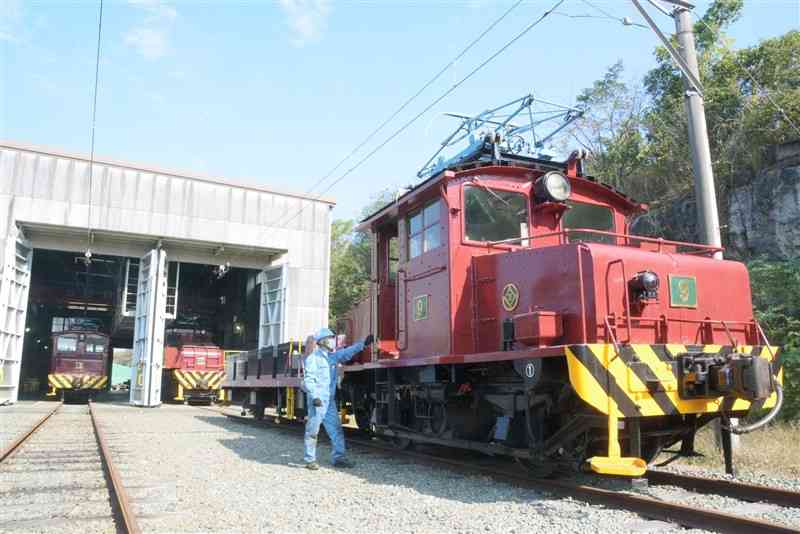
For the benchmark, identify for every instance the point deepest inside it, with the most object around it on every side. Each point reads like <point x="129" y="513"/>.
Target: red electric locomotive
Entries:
<point x="79" y="362"/>
<point x="517" y="315"/>
<point x="193" y="364"/>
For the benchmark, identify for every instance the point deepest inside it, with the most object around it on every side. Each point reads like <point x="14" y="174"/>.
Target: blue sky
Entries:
<point x="278" y="92"/>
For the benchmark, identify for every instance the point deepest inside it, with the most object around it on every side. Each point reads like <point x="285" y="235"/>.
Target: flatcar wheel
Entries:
<point x="538" y="468"/>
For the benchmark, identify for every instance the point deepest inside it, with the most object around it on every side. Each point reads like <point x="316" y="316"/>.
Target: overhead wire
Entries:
<point x="94" y="121"/>
<point x="624" y="20"/>
<point x="436" y="101"/>
<point x="422" y="89"/>
<point x="759" y="87"/>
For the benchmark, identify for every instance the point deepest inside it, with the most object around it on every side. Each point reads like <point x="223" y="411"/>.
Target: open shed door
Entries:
<point x="272" y="328"/>
<point x="148" y="330"/>
<point x="15" y="280"/>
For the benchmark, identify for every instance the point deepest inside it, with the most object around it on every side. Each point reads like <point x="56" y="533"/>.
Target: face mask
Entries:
<point x="327" y="343"/>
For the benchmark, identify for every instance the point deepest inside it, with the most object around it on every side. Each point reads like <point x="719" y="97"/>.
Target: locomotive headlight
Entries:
<point x="552" y="187"/>
<point x="644" y="285"/>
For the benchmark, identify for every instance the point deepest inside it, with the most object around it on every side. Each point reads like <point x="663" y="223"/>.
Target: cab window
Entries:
<point x="592" y="217"/>
<point x="424" y="230"/>
<point x="96" y="345"/>
<point x="67" y="344"/>
<point x="494" y="215"/>
<point x="393" y="259"/>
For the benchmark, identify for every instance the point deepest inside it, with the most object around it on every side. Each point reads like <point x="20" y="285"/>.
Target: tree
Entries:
<point x="350" y="260"/>
<point x="638" y="135"/>
<point x="611" y="128"/>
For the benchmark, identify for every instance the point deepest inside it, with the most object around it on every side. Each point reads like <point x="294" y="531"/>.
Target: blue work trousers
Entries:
<point x="328" y="416"/>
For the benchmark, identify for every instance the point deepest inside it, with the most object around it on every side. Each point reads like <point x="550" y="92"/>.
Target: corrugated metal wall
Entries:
<point x="39" y="187"/>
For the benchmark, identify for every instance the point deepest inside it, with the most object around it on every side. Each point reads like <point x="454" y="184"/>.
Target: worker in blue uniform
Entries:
<point x="319" y="383"/>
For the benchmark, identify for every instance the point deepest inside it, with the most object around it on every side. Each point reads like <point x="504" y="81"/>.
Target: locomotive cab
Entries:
<point x="511" y="301"/>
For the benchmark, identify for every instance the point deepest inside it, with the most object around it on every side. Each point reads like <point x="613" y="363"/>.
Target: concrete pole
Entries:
<point x="705" y="193"/>
<point x="706" y="196"/>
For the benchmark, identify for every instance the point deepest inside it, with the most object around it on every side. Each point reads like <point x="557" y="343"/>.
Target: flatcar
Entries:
<point x="79" y="362"/>
<point x="193" y="365"/>
<point x="517" y="314"/>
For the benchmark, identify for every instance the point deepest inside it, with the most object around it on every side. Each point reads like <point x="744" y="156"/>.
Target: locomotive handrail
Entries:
<point x="701" y="249"/>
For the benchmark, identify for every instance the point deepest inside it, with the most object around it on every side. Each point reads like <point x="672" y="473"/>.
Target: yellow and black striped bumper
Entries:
<point x="642" y="380"/>
<point x="66" y="381"/>
<point x="199" y="380"/>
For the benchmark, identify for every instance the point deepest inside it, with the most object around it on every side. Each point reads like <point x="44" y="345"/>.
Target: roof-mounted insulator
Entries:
<point x="575" y="162"/>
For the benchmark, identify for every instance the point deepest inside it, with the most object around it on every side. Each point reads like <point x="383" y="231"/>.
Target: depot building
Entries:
<point x="247" y="264"/>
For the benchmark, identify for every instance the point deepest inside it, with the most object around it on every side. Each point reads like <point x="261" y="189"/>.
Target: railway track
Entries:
<point x="688" y="516"/>
<point x="64" y="453"/>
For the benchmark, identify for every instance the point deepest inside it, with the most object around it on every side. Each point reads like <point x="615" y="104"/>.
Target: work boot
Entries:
<point x="313" y="466"/>
<point x="344" y="463"/>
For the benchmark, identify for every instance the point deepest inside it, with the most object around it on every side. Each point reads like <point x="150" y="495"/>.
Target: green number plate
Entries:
<point x="682" y="291"/>
<point x="421" y="308"/>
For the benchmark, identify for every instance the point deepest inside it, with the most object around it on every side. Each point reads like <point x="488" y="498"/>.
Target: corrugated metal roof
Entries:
<point x="160" y="170"/>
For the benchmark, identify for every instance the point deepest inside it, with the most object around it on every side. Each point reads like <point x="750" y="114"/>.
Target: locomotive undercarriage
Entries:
<point x="504" y="408"/>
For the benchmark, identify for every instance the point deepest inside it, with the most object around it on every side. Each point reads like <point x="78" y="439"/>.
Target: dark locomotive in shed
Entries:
<point x="79" y="365"/>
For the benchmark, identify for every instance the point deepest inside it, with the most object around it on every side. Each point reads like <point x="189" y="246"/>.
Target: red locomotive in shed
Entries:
<point x="194" y="366"/>
<point x="516" y="314"/>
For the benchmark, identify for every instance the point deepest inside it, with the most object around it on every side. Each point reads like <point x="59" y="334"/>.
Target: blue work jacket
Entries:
<point x="319" y="379"/>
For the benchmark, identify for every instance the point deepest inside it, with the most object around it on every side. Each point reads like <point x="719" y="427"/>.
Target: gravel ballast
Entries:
<point x="20" y="417"/>
<point x="190" y="469"/>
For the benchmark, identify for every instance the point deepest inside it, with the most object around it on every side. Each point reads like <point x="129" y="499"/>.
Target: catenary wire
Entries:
<point x="608" y="15"/>
<point x="94" y="120"/>
<point x="413" y="97"/>
<point x="427" y="108"/>
<point x="759" y="87"/>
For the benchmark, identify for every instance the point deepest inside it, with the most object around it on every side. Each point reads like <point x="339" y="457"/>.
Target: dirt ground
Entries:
<point x="774" y="450"/>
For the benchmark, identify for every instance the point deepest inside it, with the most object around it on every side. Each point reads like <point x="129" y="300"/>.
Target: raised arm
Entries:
<point x="346" y="354"/>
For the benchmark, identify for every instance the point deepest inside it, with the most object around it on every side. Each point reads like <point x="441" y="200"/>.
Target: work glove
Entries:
<point x="317" y="403"/>
<point x="369" y="340"/>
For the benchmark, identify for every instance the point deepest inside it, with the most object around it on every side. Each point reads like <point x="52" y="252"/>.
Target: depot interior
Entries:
<point x="67" y="290"/>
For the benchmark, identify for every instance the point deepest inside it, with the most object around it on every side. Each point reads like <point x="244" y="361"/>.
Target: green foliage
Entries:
<point x="776" y="298"/>
<point x="638" y="134"/>
<point x="350" y="262"/>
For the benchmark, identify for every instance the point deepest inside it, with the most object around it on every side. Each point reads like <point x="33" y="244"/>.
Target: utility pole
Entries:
<point x="686" y="59"/>
<point x="705" y="193"/>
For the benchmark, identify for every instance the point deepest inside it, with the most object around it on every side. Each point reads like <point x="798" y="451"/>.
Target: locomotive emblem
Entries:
<point x="510" y="298"/>
<point x="682" y="291"/>
<point x="421" y="308"/>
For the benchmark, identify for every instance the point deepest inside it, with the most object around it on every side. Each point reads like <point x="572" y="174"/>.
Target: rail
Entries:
<point x="119" y="494"/>
<point x="628" y="238"/>
<point x="17" y="443"/>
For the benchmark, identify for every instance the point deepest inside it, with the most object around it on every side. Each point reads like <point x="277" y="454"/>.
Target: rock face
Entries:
<point x="764" y="217"/>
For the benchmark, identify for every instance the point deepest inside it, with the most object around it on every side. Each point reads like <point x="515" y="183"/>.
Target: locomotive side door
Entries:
<point x="15" y="279"/>
<point x="272" y="328"/>
<point x="148" y="330"/>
